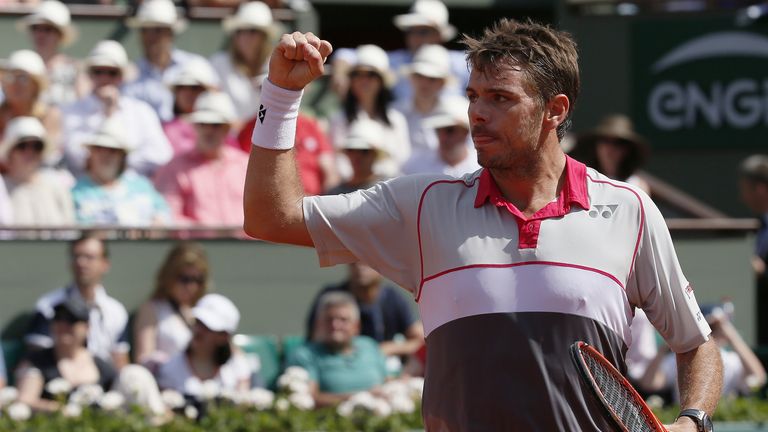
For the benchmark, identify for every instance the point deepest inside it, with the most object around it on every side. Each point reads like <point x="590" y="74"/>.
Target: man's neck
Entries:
<point x="161" y="60"/>
<point x="88" y="291"/>
<point x="425" y="104"/>
<point x="365" y="294"/>
<point x="454" y="155"/>
<point x="532" y="189"/>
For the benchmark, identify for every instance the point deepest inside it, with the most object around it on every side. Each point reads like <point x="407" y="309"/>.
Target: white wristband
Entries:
<point x="275" y="126"/>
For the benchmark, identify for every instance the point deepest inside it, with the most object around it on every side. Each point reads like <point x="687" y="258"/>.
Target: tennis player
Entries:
<point x="510" y="264"/>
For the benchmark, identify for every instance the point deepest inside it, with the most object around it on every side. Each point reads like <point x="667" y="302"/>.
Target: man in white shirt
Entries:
<point x="106" y="65"/>
<point x="107" y="337"/>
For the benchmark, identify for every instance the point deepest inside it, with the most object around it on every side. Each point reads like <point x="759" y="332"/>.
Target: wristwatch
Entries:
<point x="702" y="420"/>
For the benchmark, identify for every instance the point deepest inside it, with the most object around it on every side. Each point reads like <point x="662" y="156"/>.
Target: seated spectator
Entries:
<point x="24" y="78"/>
<point x="429" y="73"/>
<point x="109" y="193"/>
<point x="209" y="356"/>
<point x="362" y="147"/>
<point x="50" y="29"/>
<point x="194" y="79"/>
<point x="106" y="64"/>
<point x="315" y="157"/>
<point x="455" y="154"/>
<point x="38" y="195"/>
<point x="107" y="338"/>
<point x="205" y="185"/>
<point x="158" y="23"/>
<point x="68" y="358"/>
<point x="243" y="66"/>
<point x="163" y="324"/>
<point x="384" y="312"/>
<point x="340" y="362"/>
<point x="370" y="98"/>
<point x="743" y="373"/>
<point x="614" y="149"/>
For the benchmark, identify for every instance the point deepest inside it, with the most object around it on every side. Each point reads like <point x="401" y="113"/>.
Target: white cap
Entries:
<point x="374" y="58"/>
<point x="111" y="134"/>
<point x="52" y="12"/>
<point x="108" y="53"/>
<point x="27" y="61"/>
<point x="196" y="72"/>
<point x="250" y="15"/>
<point x="450" y="111"/>
<point x="217" y="312"/>
<point x="431" y="61"/>
<point x="430" y="13"/>
<point x="158" y="13"/>
<point x="365" y="134"/>
<point x="213" y="107"/>
<point x="20" y="128"/>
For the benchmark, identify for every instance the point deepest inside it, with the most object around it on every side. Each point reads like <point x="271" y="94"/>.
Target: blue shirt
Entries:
<point x="152" y="87"/>
<point x="359" y="370"/>
<point x="132" y="201"/>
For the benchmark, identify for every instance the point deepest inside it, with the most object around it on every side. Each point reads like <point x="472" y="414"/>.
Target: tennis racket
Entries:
<point x="624" y="405"/>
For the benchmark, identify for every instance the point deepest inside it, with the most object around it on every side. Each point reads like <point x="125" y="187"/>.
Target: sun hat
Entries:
<point x="29" y="62"/>
<point x="111" y="134"/>
<point x="19" y="128"/>
<point x="616" y="127"/>
<point x="373" y="58"/>
<point x="217" y="312"/>
<point x="158" y="13"/>
<point x="108" y="53"/>
<point x="365" y="134"/>
<point x="213" y="107"/>
<point x="450" y="111"/>
<point x="431" y="61"/>
<point x="196" y="72"/>
<point x="51" y="12"/>
<point x="250" y="15"/>
<point x="429" y="13"/>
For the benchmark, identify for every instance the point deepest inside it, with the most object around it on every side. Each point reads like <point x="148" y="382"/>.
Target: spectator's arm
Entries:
<point x="144" y="333"/>
<point x="120" y="359"/>
<point x="654" y="379"/>
<point x="323" y="399"/>
<point x="30" y="386"/>
<point x="754" y="371"/>
<point x="414" y="339"/>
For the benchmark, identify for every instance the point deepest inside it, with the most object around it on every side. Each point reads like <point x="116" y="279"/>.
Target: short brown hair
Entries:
<point x="547" y="57"/>
<point x="182" y="255"/>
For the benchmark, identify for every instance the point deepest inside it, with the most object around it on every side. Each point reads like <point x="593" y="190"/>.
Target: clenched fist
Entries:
<point x="297" y="60"/>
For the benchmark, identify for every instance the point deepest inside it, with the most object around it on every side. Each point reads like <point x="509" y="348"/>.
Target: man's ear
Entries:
<point x="556" y="111"/>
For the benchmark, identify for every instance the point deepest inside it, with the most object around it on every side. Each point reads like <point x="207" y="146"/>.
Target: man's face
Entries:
<point x="425" y="87"/>
<point x="450" y="137"/>
<point x="156" y="41"/>
<point x="338" y="325"/>
<point x="506" y="117"/>
<point x="102" y="76"/>
<point x="89" y="265"/>
<point x="418" y="36"/>
<point x="754" y="195"/>
<point x="210" y="137"/>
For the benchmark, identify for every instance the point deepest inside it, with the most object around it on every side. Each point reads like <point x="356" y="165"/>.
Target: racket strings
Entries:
<point x="621" y="401"/>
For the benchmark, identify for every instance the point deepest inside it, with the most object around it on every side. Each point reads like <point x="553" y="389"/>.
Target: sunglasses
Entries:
<point x="186" y="279"/>
<point x="363" y="73"/>
<point x="109" y="72"/>
<point x="41" y="28"/>
<point x="35" y="145"/>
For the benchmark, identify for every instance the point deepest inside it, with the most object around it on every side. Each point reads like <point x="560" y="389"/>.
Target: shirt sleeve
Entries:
<point x="657" y="285"/>
<point x="377" y="226"/>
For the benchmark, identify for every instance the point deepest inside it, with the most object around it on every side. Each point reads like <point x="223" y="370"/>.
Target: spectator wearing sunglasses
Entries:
<point x="50" y="29"/>
<point x="455" y="155"/>
<point x="110" y="193"/>
<point x="24" y="79"/>
<point x="163" y="324"/>
<point x="38" y="195"/>
<point x="68" y="358"/>
<point x="370" y="97"/>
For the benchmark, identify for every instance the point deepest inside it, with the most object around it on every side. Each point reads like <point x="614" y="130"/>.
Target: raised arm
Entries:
<point x="273" y="192"/>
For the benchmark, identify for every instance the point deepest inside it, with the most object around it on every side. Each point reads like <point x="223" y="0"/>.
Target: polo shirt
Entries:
<point x="503" y="296"/>
<point x="361" y="369"/>
<point x="107" y="322"/>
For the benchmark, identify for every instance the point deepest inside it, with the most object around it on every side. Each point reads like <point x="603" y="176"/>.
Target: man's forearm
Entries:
<point x="700" y="377"/>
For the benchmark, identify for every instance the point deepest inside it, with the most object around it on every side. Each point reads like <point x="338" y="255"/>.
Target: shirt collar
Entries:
<point x="574" y="190"/>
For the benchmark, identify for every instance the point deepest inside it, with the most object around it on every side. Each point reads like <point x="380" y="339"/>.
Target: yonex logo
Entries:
<point x="604" y="211"/>
<point x="262" y="113"/>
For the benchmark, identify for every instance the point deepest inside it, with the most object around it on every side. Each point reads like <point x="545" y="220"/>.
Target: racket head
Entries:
<point x="624" y="406"/>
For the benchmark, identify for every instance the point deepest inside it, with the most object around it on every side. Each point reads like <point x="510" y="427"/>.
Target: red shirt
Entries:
<point x="311" y="143"/>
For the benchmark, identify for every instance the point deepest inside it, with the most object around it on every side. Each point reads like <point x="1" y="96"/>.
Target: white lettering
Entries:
<point x="742" y="104"/>
<point x="666" y="100"/>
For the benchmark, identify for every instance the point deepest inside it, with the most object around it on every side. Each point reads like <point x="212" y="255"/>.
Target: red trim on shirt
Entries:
<point x="642" y="218"/>
<point x="548" y="263"/>
<point x="574" y="191"/>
